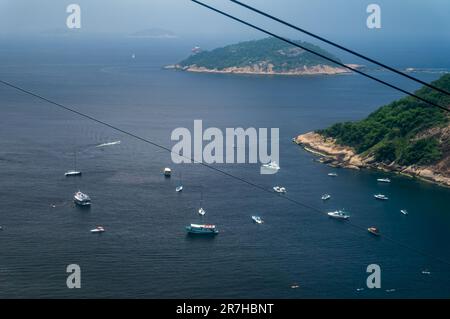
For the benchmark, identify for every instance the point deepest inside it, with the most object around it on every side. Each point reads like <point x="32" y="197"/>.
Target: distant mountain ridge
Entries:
<point x="265" y="56"/>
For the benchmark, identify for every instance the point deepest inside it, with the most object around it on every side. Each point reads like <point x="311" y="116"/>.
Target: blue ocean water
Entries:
<point x="145" y="251"/>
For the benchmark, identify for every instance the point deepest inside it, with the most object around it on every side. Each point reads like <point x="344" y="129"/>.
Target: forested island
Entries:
<point x="406" y="136"/>
<point x="269" y="56"/>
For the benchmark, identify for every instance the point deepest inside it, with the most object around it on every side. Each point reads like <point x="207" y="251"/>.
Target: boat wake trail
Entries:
<point x="108" y="144"/>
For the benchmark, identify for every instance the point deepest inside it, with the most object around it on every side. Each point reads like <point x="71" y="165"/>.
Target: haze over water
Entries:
<point x="145" y="251"/>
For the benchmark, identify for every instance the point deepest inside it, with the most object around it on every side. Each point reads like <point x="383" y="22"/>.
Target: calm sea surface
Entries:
<point x="145" y="251"/>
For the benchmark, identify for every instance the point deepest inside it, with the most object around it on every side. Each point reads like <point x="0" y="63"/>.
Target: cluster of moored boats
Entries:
<point x="84" y="200"/>
<point x="341" y="214"/>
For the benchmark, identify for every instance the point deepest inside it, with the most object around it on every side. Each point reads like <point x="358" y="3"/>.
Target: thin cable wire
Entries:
<point x="340" y="46"/>
<point x="321" y="55"/>
<point x="254" y="185"/>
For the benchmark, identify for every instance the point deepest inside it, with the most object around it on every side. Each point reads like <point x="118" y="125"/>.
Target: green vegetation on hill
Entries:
<point x="283" y="56"/>
<point x="392" y="133"/>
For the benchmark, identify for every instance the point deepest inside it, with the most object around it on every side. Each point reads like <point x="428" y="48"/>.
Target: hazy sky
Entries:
<point x="340" y="18"/>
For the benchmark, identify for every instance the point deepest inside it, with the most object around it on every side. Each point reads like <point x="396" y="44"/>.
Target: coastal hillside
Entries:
<point x="266" y="56"/>
<point x="406" y="136"/>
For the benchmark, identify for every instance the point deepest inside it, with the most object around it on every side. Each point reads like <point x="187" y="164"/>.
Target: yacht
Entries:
<point x="404" y="211"/>
<point x="73" y="172"/>
<point x="332" y="174"/>
<point x="374" y="231"/>
<point x="81" y="199"/>
<point x="257" y="219"/>
<point x="381" y="197"/>
<point x="326" y="196"/>
<point x="339" y="214"/>
<point x="272" y="166"/>
<point x="196" y="229"/>
<point x="167" y="172"/>
<point x="279" y="189"/>
<point x="383" y="180"/>
<point x="98" y="229"/>
<point x="201" y="211"/>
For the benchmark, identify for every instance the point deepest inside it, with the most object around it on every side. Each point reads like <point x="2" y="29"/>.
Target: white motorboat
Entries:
<point x="72" y="173"/>
<point x="98" y="229"/>
<point x="167" y="172"/>
<point x="257" y="219"/>
<point x="179" y="188"/>
<point x="383" y="180"/>
<point x="81" y="199"/>
<point x="272" y="165"/>
<point x="279" y="189"/>
<point x="201" y="211"/>
<point x="339" y="214"/>
<point x="404" y="211"/>
<point x="332" y="174"/>
<point x="381" y="197"/>
<point x="374" y="231"/>
<point x="326" y="196"/>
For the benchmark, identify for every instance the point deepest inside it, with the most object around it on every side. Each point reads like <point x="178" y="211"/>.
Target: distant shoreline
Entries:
<point x="256" y="70"/>
<point x="337" y="155"/>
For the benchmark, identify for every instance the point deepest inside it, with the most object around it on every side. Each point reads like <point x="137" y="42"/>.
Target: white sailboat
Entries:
<point x="73" y="172"/>
<point x="201" y="211"/>
<point x="179" y="188"/>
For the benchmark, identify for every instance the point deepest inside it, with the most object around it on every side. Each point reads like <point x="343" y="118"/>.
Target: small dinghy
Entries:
<point x="332" y="174"/>
<point x="98" y="229"/>
<point x="257" y="219"/>
<point x="279" y="189"/>
<point x="381" y="197"/>
<point x="374" y="231"/>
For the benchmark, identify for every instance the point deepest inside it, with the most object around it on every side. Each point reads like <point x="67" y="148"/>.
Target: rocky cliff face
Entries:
<point x="337" y="155"/>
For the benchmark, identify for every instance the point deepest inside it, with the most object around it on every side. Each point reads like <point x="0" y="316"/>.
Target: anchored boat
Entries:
<point x="339" y="214"/>
<point x="81" y="199"/>
<point x="374" y="231"/>
<point x="197" y="229"/>
<point x="381" y="197"/>
<point x="257" y="219"/>
<point x="279" y="189"/>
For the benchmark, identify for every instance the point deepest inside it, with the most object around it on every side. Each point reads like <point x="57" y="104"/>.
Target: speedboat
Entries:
<point x="196" y="229"/>
<point x="81" y="199"/>
<point x="339" y="214"/>
<point x="201" y="211"/>
<point x="167" y="172"/>
<point x="98" y="229"/>
<point x="404" y="212"/>
<point x="279" y="189"/>
<point x="272" y="166"/>
<point x="383" y="180"/>
<point x="374" y="231"/>
<point x="179" y="188"/>
<point x="72" y="173"/>
<point x="381" y="197"/>
<point x="257" y="219"/>
<point x="332" y="174"/>
<point x="326" y="196"/>
<point x="426" y="272"/>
